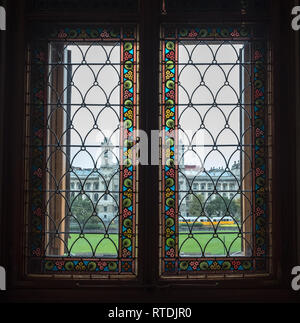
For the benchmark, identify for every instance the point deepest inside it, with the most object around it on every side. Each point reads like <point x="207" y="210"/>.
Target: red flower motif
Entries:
<point x="170" y="212"/>
<point x="258" y="94"/>
<point x="259" y="212"/>
<point x="192" y="34"/>
<point x="59" y="264"/>
<point x="38" y="173"/>
<point x="258" y="172"/>
<point x="102" y="265"/>
<point x="257" y="55"/>
<point x="170" y="172"/>
<point x="104" y="34"/>
<point x="125" y="253"/>
<point x="235" y="33"/>
<point x="259" y="132"/>
<point x="236" y="264"/>
<point x="194" y="264"/>
<point x="127" y="56"/>
<point x="127" y="173"/>
<point x="171" y="94"/>
<point x="62" y="34"/>
<point x="126" y="213"/>
<point x="38" y="212"/>
<point x="171" y="253"/>
<point x="171" y="55"/>
<point x="127" y="94"/>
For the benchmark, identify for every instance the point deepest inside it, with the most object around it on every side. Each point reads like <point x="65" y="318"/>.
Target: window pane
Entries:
<point x="210" y="120"/>
<point x="210" y="168"/>
<point x="83" y="151"/>
<point x="85" y="192"/>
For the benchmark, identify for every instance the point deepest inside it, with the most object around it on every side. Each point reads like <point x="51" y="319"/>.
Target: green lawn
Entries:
<point x="212" y="245"/>
<point x="106" y="246"/>
<point x="187" y="245"/>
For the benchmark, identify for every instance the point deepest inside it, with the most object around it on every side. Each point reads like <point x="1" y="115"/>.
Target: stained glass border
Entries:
<point x="37" y="261"/>
<point x="170" y="262"/>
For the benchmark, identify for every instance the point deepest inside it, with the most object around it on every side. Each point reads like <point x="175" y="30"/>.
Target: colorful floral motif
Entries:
<point x="80" y="265"/>
<point x="220" y="265"/>
<point x="36" y="178"/>
<point x="261" y="143"/>
<point x="199" y="32"/>
<point x="104" y="33"/>
<point x="169" y="198"/>
<point x="128" y="88"/>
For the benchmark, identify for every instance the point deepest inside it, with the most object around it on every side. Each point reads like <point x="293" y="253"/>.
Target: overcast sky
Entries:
<point x="95" y="96"/>
<point x="202" y="85"/>
<point x="195" y="67"/>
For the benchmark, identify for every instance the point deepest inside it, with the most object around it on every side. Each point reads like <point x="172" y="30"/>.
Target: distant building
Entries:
<point x="101" y="186"/>
<point x="194" y="180"/>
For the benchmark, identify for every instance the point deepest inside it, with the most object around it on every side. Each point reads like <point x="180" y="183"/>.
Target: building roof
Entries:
<point x="196" y="171"/>
<point x="189" y="171"/>
<point x="90" y="172"/>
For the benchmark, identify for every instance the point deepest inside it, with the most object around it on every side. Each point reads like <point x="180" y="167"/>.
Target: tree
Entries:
<point x="82" y="210"/>
<point x="196" y="205"/>
<point x="219" y="206"/>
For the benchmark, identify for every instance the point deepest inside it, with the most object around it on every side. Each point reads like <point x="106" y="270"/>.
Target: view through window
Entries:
<point x="212" y="91"/>
<point x="84" y="177"/>
<point x="84" y="141"/>
<point x="83" y="186"/>
<point x="211" y="119"/>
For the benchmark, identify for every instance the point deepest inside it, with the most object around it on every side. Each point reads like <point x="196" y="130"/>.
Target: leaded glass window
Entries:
<point x="82" y="186"/>
<point x="214" y="97"/>
<point x="82" y="114"/>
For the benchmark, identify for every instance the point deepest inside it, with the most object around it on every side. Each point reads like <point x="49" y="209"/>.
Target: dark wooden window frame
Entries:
<point x="148" y="286"/>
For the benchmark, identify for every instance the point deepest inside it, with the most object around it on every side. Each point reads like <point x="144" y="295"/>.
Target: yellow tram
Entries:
<point x="208" y="222"/>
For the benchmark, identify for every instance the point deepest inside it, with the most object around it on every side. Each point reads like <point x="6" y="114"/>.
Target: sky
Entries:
<point x="202" y="84"/>
<point x="95" y="96"/>
<point x="96" y="77"/>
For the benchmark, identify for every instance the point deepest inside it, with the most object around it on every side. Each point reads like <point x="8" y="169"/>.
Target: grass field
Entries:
<point x="187" y="245"/>
<point x="212" y="246"/>
<point x="106" y="246"/>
